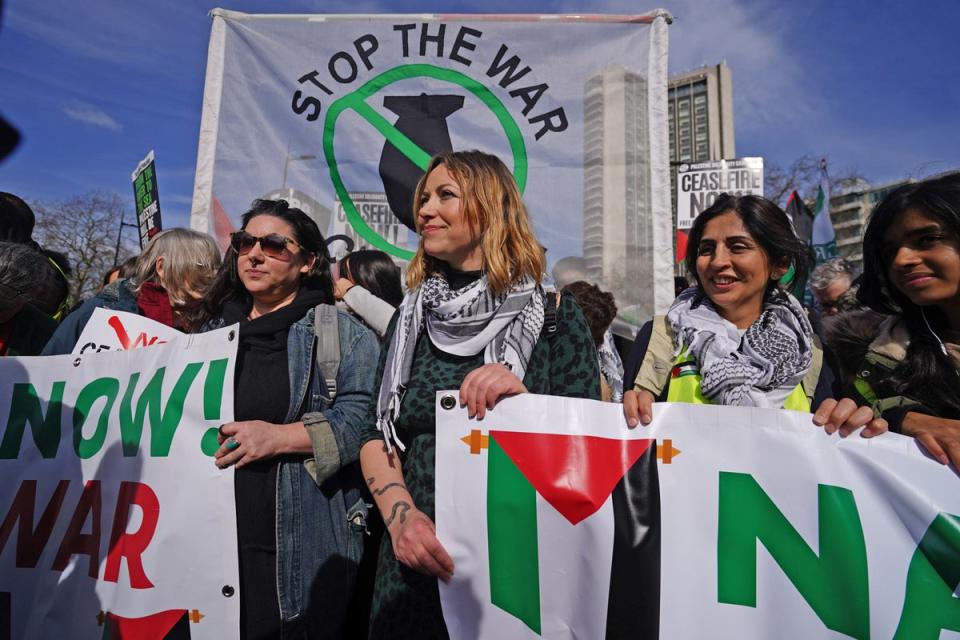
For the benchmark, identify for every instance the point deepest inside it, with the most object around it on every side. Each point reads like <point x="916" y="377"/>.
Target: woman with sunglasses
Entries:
<point x="171" y="277"/>
<point x="300" y="513"/>
<point x="473" y="319"/>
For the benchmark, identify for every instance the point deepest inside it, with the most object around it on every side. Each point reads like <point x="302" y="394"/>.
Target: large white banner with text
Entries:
<point x="115" y="521"/>
<point x="753" y="523"/>
<point x="342" y="113"/>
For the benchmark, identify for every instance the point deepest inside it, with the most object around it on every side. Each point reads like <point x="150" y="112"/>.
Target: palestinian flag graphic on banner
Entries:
<point x="548" y="497"/>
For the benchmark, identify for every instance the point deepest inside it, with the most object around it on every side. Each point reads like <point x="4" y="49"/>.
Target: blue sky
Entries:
<point x="94" y="85"/>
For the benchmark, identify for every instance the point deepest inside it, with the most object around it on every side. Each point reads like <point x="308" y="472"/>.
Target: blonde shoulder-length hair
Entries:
<point x="190" y="261"/>
<point x="492" y="206"/>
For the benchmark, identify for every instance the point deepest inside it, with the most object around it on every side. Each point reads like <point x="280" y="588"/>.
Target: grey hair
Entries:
<point x="830" y="271"/>
<point x="190" y="261"/>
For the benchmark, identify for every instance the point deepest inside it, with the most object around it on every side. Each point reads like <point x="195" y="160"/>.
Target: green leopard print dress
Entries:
<point x="406" y="604"/>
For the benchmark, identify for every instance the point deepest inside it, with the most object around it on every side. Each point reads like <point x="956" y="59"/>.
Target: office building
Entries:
<point x="617" y="225"/>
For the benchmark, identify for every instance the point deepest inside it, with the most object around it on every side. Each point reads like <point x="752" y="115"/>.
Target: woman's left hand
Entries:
<point x="847" y="417"/>
<point x="340" y="288"/>
<point x="244" y="442"/>
<point x="484" y="386"/>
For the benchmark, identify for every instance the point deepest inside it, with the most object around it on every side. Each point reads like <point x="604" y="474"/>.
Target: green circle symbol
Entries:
<point x="357" y="102"/>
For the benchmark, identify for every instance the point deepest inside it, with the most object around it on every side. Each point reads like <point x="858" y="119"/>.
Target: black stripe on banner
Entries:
<point x="6" y="620"/>
<point x="633" y="604"/>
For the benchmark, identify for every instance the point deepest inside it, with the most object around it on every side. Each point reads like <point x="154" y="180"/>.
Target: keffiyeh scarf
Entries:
<point x="759" y="370"/>
<point x="460" y="322"/>
<point x="611" y="366"/>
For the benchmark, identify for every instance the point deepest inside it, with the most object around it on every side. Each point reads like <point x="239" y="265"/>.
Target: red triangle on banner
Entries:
<point x="575" y="474"/>
<point x="157" y="626"/>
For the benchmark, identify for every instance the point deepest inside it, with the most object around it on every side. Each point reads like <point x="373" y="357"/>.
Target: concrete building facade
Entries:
<point x="700" y="115"/>
<point x="617" y="225"/>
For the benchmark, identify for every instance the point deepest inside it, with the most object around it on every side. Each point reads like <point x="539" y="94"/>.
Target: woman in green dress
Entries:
<point x="473" y="319"/>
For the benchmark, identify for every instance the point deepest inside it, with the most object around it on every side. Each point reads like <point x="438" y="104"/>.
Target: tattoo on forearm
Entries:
<point x="380" y="492"/>
<point x="400" y="509"/>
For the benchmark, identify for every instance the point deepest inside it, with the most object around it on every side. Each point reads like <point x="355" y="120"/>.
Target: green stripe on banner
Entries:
<point x="512" y="539"/>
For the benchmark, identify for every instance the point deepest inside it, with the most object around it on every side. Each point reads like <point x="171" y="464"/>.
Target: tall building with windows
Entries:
<point x="617" y="225"/>
<point x="700" y="115"/>
<point x="849" y="212"/>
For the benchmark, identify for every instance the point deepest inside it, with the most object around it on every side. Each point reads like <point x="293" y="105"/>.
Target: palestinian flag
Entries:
<point x="824" y="239"/>
<point x="553" y="504"/>
<point x="173" y="624"/>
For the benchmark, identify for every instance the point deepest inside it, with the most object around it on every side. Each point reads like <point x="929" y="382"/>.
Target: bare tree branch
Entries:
<point x="803" y="176"/>
<point x="84" y="227"/>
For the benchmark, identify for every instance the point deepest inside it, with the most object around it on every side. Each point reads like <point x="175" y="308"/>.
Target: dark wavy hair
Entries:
<point x="768" y="225"/>
<point x="926" y="374"/>
<point x="376" y="272"/>
<point x="227" y="285"/>
<point x="598" y="306"/>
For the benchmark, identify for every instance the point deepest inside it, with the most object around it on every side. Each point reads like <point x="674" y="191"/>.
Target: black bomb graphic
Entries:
<point x="423" y="119"/>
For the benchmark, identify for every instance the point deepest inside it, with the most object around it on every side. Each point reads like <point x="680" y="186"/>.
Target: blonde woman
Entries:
<point x="473" y="319"/>
<point x="171" y="276"/>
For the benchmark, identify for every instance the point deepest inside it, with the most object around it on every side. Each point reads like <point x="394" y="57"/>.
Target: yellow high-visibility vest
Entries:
<point x="685" y="386"/>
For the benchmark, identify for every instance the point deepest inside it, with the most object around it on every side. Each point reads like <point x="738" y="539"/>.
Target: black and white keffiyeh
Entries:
<point x="460" y="322"/>
<point x="759" y="370"/>
<point x="611" y="366"/>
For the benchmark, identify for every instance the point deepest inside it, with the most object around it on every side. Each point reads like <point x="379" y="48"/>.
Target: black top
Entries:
<point x="261" y="392"/>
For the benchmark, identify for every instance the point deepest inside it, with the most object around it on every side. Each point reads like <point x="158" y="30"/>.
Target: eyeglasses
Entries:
<point x="272" y="244"/>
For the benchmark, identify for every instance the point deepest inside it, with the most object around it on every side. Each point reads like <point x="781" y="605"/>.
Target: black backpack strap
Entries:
<point x="550" y="305"/>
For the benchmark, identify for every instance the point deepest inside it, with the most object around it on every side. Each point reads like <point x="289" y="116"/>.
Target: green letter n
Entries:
<point x="24" y="408"/>
<point x="834" y="583"/>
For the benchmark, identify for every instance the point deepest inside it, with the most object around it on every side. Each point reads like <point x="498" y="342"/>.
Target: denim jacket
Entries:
<point x="116" y="296"/>
<point x="321" y="513"/>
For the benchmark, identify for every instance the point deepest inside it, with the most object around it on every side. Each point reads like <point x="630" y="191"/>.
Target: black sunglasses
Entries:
<point x="272" y="244"/>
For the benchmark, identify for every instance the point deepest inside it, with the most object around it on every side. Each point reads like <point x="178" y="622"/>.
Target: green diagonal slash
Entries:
<point x="356" y="101"/>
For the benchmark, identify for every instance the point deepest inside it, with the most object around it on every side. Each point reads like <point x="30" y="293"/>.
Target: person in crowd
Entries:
<point x="474" y="319"/>
<point x="737" y="337"/>
<point x="599" y="309"/>
<point x="126" y="269"/>
<point x="172" y="276"/>
<point x="369" y="284"/>
<point x="833" y="286"/>
<point x="16" y="220"/>
<point x="300" y="512"/>
<point x="567" y="270"/>
<point x="24" y="329"/>
<point x="907" y="364"/>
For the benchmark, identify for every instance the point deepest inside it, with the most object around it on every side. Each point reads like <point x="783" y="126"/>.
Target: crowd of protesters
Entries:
<point x="878" y="350"/>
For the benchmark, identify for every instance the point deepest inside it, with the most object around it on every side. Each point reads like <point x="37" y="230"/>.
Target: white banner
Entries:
<point x="347" y="110"/>
<point x="766" y="527"/>
<point x="109" y="330"/>
<point x="115" y="521"/>
<point x="698" y="185"/>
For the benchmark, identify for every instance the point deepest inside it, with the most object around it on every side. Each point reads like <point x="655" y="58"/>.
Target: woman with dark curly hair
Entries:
<point x="300" y="512"/>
